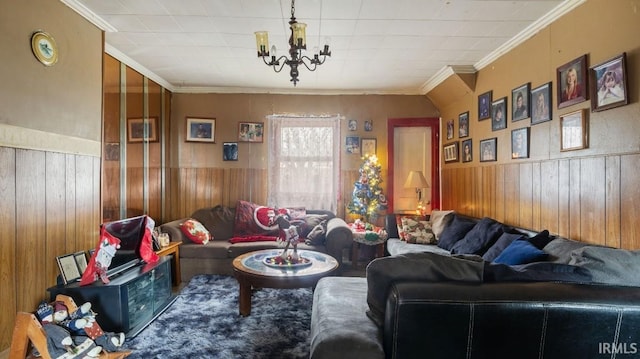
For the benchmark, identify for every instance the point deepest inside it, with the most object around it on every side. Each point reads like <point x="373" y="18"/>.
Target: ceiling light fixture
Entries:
<point x="297" y="43"/>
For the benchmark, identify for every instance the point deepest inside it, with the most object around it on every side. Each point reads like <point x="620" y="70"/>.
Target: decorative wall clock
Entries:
<point x="44" y="48"/>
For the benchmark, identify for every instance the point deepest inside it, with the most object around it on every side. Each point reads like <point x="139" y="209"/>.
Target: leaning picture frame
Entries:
<point x="68" y="267"/>
<point x="484" y="105"/>
<point x="142" y="130"/>
<point x="573" y="131"/>
<point x="251" y="132"/>
<point x="450" y="152"/>
<point x="572" y="82"/>
<point x="81" y="261"/>
<point x="541" y="104"/>
<point x="201" y="129"/>
<point x="608" y="84"/>
<point x="520" y="102"/>
<point x="489" y="150"/>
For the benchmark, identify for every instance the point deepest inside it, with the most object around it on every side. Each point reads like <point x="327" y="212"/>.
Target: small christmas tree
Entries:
<point x="367" y="195"/>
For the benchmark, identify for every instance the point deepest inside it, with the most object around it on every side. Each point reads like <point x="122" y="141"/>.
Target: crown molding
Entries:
<point x="89" y="15"/>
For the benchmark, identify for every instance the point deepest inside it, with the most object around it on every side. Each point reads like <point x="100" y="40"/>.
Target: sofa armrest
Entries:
<point x="174" y="231"/>
<point x="338" y="237"/>
<point x="507" y="320"/>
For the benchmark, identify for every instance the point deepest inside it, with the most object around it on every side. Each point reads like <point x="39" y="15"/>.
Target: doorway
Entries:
<point x="413" y="144"/>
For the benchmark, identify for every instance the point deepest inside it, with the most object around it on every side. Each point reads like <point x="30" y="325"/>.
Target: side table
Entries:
<point x="377" y="237"/>
<point x="172" y="249"/>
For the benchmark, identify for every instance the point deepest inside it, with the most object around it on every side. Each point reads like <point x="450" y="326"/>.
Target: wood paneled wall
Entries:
<point x="591" y="199"/>
<point x="50" y="206"/>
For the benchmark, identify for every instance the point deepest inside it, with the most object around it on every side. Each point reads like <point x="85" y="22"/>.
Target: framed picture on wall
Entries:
<point x="520" y="143"/>
<point x="499" y="114"/>
<point x="450" y="127"/>
<point x="139" y="130"/>
<point x="201" y="129"/>
<point x="467" y="151"/>
<point x="572" y="82"/>
<point x="489" y="150"/>
<point x="541" y="104"/>
<point x="484" y="105"/>
<point x="608" y="84"/>
<point x="250" y="131"/>
<point x="463" y="125"/>
<point x="368" y="125"/>
<point x="230" y="151"/>
<point x="573" y="131"/>
<point x="520" y="102"/>
<point x="451" y="152"/>
<point x="368" y="146"/>
<point x="352" y="144"/>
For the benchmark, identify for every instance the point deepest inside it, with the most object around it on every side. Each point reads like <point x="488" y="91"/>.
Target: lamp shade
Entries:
<point x="262" y="43"/>
<point x="416" y="180"/>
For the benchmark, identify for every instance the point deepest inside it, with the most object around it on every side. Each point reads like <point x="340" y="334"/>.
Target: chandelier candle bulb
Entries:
<point x="262" y="42"/>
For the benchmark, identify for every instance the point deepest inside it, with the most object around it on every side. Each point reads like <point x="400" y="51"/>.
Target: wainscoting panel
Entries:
<point x="50" y="206"/>
<point x="591" y="199"/>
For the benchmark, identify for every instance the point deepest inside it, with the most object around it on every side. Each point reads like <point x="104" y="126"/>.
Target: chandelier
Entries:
<point x="297" y="43"/>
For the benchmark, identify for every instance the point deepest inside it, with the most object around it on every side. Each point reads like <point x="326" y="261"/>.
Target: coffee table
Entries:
<point x="251" y="272"/>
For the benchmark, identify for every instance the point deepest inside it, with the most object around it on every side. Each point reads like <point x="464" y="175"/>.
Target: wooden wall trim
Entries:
<point x="26" y="138"/>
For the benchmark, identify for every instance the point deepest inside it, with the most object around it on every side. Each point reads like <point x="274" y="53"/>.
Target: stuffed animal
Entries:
<point x="61" y="345"/>
<point x="83" y="322"/>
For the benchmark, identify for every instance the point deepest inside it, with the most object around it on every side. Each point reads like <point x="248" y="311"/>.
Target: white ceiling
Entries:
<point x="378" y="46"/>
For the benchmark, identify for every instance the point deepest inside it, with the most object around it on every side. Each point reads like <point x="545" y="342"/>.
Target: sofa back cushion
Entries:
<point x="609" y="265"/>
<point x="503" y="242"/>
<point x="439" y="221"/>
<point x="454" y="232"/>
<point x="218" y="220"/>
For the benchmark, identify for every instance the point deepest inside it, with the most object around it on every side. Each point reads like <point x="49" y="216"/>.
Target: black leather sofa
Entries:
<point x="467" y="319"/>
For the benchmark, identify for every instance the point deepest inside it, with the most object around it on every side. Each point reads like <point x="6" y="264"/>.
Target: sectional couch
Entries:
<point x="228" y="241"/>
<point x="573" y="300"/>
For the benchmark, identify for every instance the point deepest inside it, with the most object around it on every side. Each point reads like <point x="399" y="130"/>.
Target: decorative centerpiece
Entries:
<point x="290" y="237"/>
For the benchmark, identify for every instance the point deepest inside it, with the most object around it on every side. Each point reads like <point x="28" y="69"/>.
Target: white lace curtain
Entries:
<point x="304" y="162"/>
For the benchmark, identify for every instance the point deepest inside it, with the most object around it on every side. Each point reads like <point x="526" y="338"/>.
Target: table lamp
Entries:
<point x="416" y="180"/>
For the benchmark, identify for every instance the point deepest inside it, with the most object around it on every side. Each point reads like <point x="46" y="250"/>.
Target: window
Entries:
<point x="304" y="162"/>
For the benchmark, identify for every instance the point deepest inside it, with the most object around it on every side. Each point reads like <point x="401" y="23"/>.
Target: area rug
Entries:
<point x="204" y="322"/>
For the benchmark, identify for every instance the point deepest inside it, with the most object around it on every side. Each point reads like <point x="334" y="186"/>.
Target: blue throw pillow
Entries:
<point x="482" y="236"/>
<point x="503" y="242"/>
<point x="520" y="252"/>
<point x="454" y="232"/>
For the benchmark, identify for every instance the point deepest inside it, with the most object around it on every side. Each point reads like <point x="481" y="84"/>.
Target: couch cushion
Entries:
<point x="218" y="220"/>
<point x="255" y="220"/>
<point x="213" y="250"/>
<point x="609" y="265"/>
<point x="439" y="220"/>
<point x="454" y="232"/>
<point x="317" y="235"/>
<point x="478" y="240"/>
<point x="399" y="223"/>
<point x="520" y="252"/>
<point x="503" y="242"/>
<point x="310" y="222"/>
<point x="559" y="249"/>
<point x="396" y="246"/>
<point x="195" y="231"/>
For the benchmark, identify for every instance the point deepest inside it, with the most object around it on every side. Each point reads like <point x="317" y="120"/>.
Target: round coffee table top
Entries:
<point x="253" y="263"/>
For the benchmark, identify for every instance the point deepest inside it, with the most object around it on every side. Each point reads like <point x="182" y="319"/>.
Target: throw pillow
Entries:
<point x="401" y="231"/>
<point x="520" y="252"/>
<point x="418" y="232"/>
<point x="482" y="236"/>
<point x="310" y="222"/>
<point x="317" y="235"/>
<point x="195" y="231"/>
<point x="541" y="239"/>
<point x="609" y="265"/>
<point x="503" y="242"/>
<point x="454" y="232"/>
<point x="439" y="220"/>
<point x="256" y="220"/>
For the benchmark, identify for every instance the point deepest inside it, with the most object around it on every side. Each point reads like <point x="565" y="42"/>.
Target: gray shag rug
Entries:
<point x="204" y="322"/>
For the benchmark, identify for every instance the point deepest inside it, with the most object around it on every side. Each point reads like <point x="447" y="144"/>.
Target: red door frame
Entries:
<point x="434" y="124"/>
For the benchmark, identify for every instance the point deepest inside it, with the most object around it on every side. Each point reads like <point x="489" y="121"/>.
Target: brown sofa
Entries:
<point x="216" y="256"/>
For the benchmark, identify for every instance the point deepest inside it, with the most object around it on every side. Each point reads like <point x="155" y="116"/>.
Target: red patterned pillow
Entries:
<point x="254" y="219"/>
<point x="195" y="231"/>
<point x="401" y="230"/>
